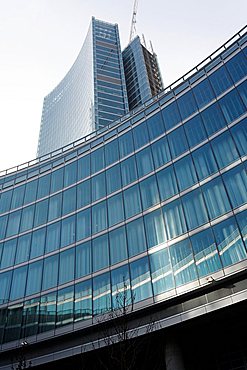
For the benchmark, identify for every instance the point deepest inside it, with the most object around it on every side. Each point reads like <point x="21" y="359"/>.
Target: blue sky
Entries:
<point x="40" y="39"/>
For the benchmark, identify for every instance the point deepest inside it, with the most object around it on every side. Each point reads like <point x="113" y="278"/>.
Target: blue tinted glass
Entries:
<point x="178" y="142"/>
<point x="204" y="161"/>
<point x="242" y="224"/>
<point x="83" y="226"/>
<point x="47" y="312"/>
<point x="55" y="207"/>
<point x="99" y="217"/>
<point x="101" y="294"/>
<point x="144" y="162"/>
<point x="195" y="131"/>
<point x="70" y="173"/>
<point x="38" y="243"/>
<point x="203" y="93"/>
<point x="161" y="152"/>
<point x="205" y="253"/>
<point x="194" y="209"/>
<point x="5" y="201"/>
<point x="229" y="242"/>
<point x="3" y="223"/>
<point x="57" y="180"/>
<point x="27" y="218"/>
<point x="232" y="106"/>
<point x="132" y="201"/>
<point x="68" y="231"/>
<point x="50" y="273"/>
<point x="121" y="295"/>
<point x="129" y="172"/>
<point x="23" y="248"/>
<point x="66" y="266"/>
<point x="236" y="185"/>
<point x="167" y="183"/>
<point x="97" y="160"/>
<point x="113" y="179"/>
<point x="44" y="186"/>
<point x="83" y="167"/>
<point x="187" y="104"/>
<point x="18" y="283"/>
<point x="149" y="192"/>
<point x="126" y="145"/>
<point x="8" y="254"/>
<point x="17" y="197"/>
<point x="100" y="251"/>
<point x="83" y="194"/>
<point x="111" y="152"/>
<point x="83" y="260"/>
<point x="98" y="186"/>
<point x="13" y="223"/>
<point x="65" y="306"/>
<point x="242" y="89"/>
<point x="83" y="300"/>
<point x="34" y="277"/>
<point x="171" y="115"/>
<point x="41" y="211"/>
<point x="174" y="219"/>
<point x="215" y="197"/>
<point x="140" y="134"/>
<point x="31" y="190"/>
<point x="115" y="209"/>
<point x="136" y="237"/>
<point x="5" y="281"/>
<point x="220" y="80"/>
<point x="53" y="237"/>
<point x="140" y="279"/>
<point x="155" y="126"/>
<point x="155" y="228"/>
<point x="183" y="262"/>
<point x="161" y="271"/>
<point x="118" y="245"/>
<point x="224" y="149"/>
<point x="185" y="172"/>
<point x="213" y="119"/>
<point x="237" y="67"/>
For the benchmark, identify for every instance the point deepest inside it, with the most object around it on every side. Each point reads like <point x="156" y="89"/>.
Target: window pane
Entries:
<point x="144" y="162"/>
<point x="185" y="172"/>
<point x="174" y="219"/>
<point x="5" y="281"/>
<point x="161" y="271"/>
<point x="23" y="248"/>
<point x="44" y="186"/>
<point x="100" y="252"/>
<point x="83" y="300"/>
<point x="237" y="67"/>
<point x="83" y="194"/>
<point x="97" y="160"/>
<point x="70" y="174"/>
<point x="98" y="186"/>
<point x="140" y="134"/>
<point x="115" y="209"/>
<point x="239" y="133"/>
<point x="194" y="209"/>
<point x="57" y="180"/>
<point x="204" y="162"/>
<point x="113" y="179"/>
<point x="140" y="279"/>
<point x="224" y="149"/>
<point x="68" y="231"/>
<point x="167" y="183"/>
<point x="132" y="201"/>
<point x="83" y="228"/>
<point x="17" y="198"/>
<point x="232" y="106"/>
<point x="118" y="245"/>
<point x="18" y="283"/>
<point x="55" y="207"/>
<point x="126" y="145"/>
<point x="83" y="260"/>
<point x="136" y="237"/>
<point x="149" y="192"/>
<point x="8" y="254"/>
<point x="41" y="211"/>
<point x="66" y="266"/>
<point x="69" y="200"/>
<point x="111" y="152"/>
<point x="38" y="243"/>
<point x="99" y="217"/>
<point x="155" y="126"/>
<point x="236" y="185"/>
<point x="13" y="223"/>
<point x="177" y="142"/>
<point x="65" y="306"/>
<point x="215" y="198"/>
<point x="31" y="190"/>
<point x="34" y="277"/>
<point x="155" y="228"/>
<point x="83" y="167"/>
<point x="171" y="115"/>
<point x="101" y="294"/>
<point x="195" y="131"/>
<point x="161" y="152"/>
<point x="242" y="224"/>
<point x="220" y="80"/>
<point x="213" y="119"/>
<point x="5" y="201"/>
<point x="187" y="105"/>
<point x="242" y="89"/>
<point x="47" y="312"/>
<point x="3" y="224"/>
<point x="53" y="237"/>
<point x="50" y="273"/>
<point x="128" y="169"/>
<point x="203" y="93"/>
<point x="121" y="295"/>
<point x="27" y="218"/>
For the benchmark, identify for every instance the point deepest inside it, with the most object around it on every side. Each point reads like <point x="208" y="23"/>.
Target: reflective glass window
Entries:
<point x="65" y="303"/>
<point x="101" y="294"/>
<point x="97" y="160"/>
<point x="128" y="169"/>
<point x="237" y="67"/>
<point x="50" y="273"/>
<point x="30" y="192"/>
<point x="126" y="145"/>
<point x="98" y="186"/>
<point x="242" y="224"/>
<point x="121" y="295"/>
<point x="118" y="245"/>
<point x="8" y="254"/>
<point x="66" y="266"/>
<point x="115" y="209"/>
<point x="27" y="218"/>
<point x="53" y="237"/>
<point x="83" y="300"/>
<point x="13" y="223"/>
<point x="229" y="242"/>
<point x="203" y="93"/>
<point x="17" y="197"/>
<point x="155" y="126"/>
<point x="83" y="226"/>
<point x="57" y="180"/>
<point x="5" y="201"/>
<point x="70" y="173"/>
<point x="100" y="250"/>
<point x="183" y="262"/>
<point x="41" y="211"/>
<point x="3" y="224"/>
<point x="167" y="183"/>
<point x="205" y="253"/>
<point x="13" y="323"/>
<point x="236" y="185"/>
<point x="224" y="149"/>
<point x="83" y="194"/>
<point x="161" y="152"/>
<point x="38" y="243"/>
<point x="155" y="228"/>
<point x="140" y="134"/>
<point x="171" y="115"/>
<point x="194" y="209"/>
<point x="30" y="316"/>
<point x="83" y="260"/>
<point x="34" y="277"/>
<point x="220" y="80"/>
<point x="140" y="279"/>
<point x="136" y="237"/>
<point x="161" y="271"/>
<point x="111" y="152"/>
<point x="177" y="142"/>
<point x="23" y="248"/>
<point x="216" y="198"/>
<point x="68" y="231"/>
<point x="99" y="217"/>
<point x="18" y="283"/>
<point x="69" y="200"/>
<point x="242" y="89"/>
<point x="213" y="119"/>
<point x="185" y="172"/>
<point x="144" y="162"/>
<point x="232" y="106"/>
<point x="113" y="179"/>
<point x="149" y="192"/>
<point x="204" y="161"/>
<point x="174" y="219"/>
<point x="195" y="131"/>
<point x="47" y="316"/>
<point x="83" y="167"/>
<point x="5" y="281"/>
<point x="187" y="104"/>
<point x="55" y="207"/>
<point x="239" y="133"/>
<point x="44" y="186"/>
<point x="132" y="201"/>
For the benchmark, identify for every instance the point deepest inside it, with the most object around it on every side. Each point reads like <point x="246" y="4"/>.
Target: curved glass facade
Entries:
<point x="158" y="203"/>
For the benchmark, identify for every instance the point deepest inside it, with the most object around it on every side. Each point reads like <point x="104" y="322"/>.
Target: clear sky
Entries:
<point x="40" y="40"/>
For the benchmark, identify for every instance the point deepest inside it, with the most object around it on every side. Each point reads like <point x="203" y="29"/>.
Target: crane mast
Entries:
<point x="133" y="22"/>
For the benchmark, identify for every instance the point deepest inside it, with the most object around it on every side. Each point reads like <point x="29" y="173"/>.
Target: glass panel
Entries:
<point x="232" y="106"/>
<point x="121" y="294"/>
<point x="220" y="80"/>
<point x="242" y="224"/>
<point x="99" y="217"/>
<point x="155" y="228"/>
<point x="229" y="242"/>
<point x="27" y="218"/>
<point x="215" y="197"/>
<point x="237" y="67"/>
<point x="213" y="119"/>
<point x="68" y="231"/>
<point x="5" y="201"/>
<point x="224" y="149"/>
<point x="30" y="317"/>
<point x="50" y="273"/>
<point x="136" y="237"/>
<point x="101" y="294"/>
<point x="38" y="243"/>
<point x="53" y="237"/>
<point x="195" y="131"/>
<point x="31" y="190"/>
<point x="140" y="279"/>
<point x="115" y="209"/>
<point x="55" y="207"/>
<point x="69" y="200"/>
<point x="155" y="126"/>
<point x="70" y="174"/>
<point x="13" y="223"/>
<point x="13" y="324"/>
<point x="8" y="254"/>
<point x="128" y="169"/>
<point x="194" y="209"/>
<point x="242" y="89"/>
<point x="161" y="152"/>
<point x="65" y="298"/>
<point x="5" y="281"/>
<point x="187" y="104"/>
<point x="236" y="185"/>
<point x="66" y="266"/>
<point x="3" y="224"/>
<point x="149" y="192"/>
<point x="167" y="183"/>
<point x="98" y="186"/>
<point x="18" y="283"/>
<point x="83" y="194"/>
<point x="41" y="211"/>
<point x="171" y="115"/>
<point x="83" y="260"/>
<point x="57" y="180"/>
<point x="140" y="134"/>
<point x="118" y="245"/>
<point x="185" y="172"/>
<point x="34" y="277"/>
<point x="132" y="201"/>
<point x="47" y="312"/>
<point x="205" y="252"/>
<point x="17" y="198"/>
<point x="113" y="179"/>
<point x="83" y="167"/>
<point x="177" y="142"/>
<point x="126" y="145"/>
<point x="100" y="252"/>
<point x="83" y="227"/>
<point x="44" y="186"/>
<point x="144" y="162"/>
<point x="203" y="93"/>
<point x="239" y="133"/>
<point x="161" y="271"/>
<point x="111" y="152"/>
<point x="23" y="248"/>
<point x="204" y="162"/>
<point x="97" y="160"/>
<point x="174" y="219"/>
<point x="183" y="262"/>
<point x="83" y="300"/>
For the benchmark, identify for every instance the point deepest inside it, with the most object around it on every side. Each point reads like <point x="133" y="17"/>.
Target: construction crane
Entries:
<point x="133" y="22"/>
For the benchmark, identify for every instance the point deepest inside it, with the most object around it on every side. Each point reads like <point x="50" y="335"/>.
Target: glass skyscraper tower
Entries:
<point x="91" y="95"/>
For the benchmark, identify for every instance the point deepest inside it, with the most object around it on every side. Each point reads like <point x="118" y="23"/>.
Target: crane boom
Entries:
<point x="133" y="21"/>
